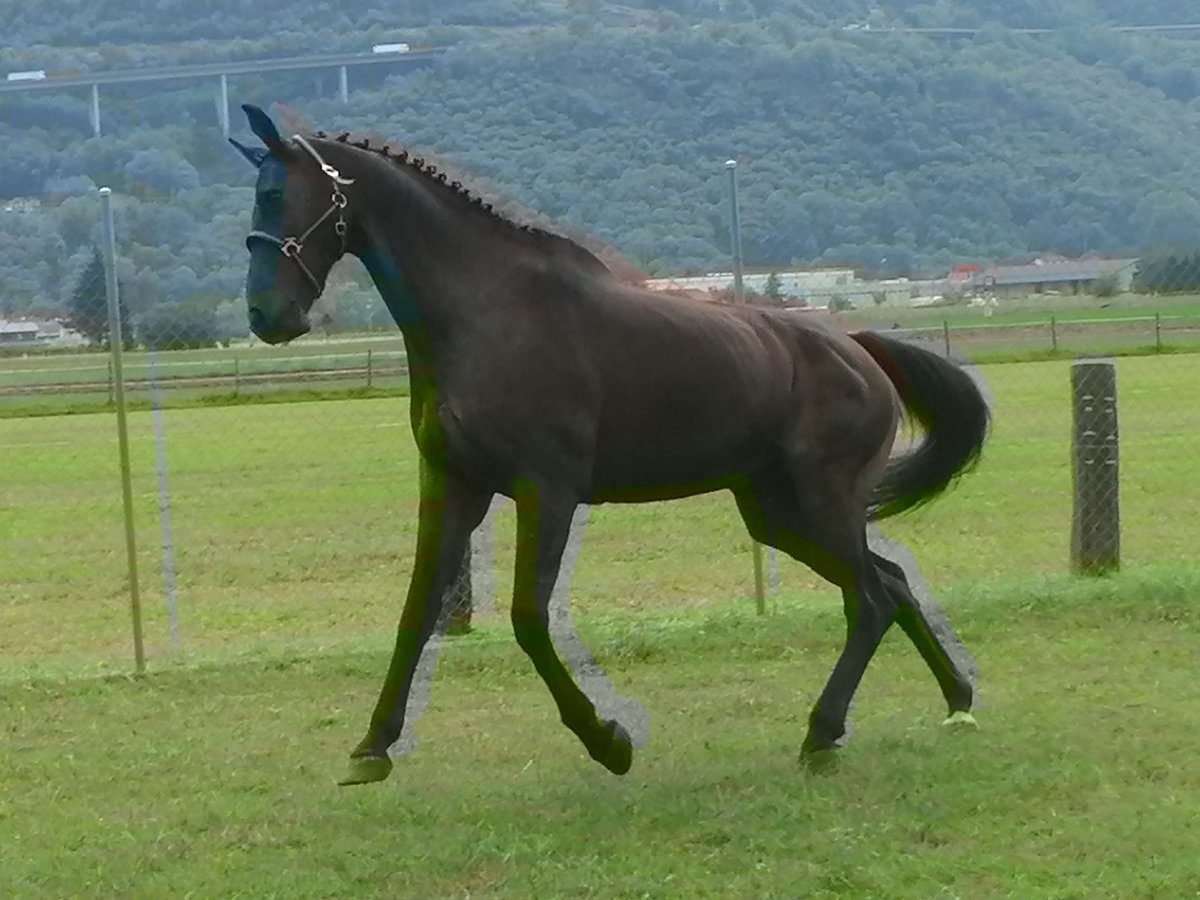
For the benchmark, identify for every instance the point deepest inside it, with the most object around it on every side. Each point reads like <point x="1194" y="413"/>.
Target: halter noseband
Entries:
<point x="292" y="247"/>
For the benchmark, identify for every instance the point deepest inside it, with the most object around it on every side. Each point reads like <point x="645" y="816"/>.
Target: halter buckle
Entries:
<point x="330" y="170"/>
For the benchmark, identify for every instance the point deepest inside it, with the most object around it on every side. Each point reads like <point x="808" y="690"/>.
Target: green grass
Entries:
<point x="1051" y="327"/>
<point x="1037" y="309"/>
<point x="215" y="779"/>
<point x="71" y="382"/>
<point x="212" y="776"/>
<point x="297" y="520"/>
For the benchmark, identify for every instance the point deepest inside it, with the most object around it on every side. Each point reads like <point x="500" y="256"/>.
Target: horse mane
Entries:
<point x="583" y="246"/>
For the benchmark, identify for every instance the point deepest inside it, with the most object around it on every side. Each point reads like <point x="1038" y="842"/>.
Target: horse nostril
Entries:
<point x="257" y="319"/>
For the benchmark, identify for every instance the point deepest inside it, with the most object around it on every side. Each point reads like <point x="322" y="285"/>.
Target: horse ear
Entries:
<point x="256" y="155"/>
<point x="261" y="124"/>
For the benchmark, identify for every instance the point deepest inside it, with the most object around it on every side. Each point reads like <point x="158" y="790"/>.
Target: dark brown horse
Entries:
<point x="537" y="374"/>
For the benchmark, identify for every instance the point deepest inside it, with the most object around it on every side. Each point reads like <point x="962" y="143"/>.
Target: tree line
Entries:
<point x="897" y="154"/>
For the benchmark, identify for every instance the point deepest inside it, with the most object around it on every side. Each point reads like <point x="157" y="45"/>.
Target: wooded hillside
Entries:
<point x="893" y="151"/>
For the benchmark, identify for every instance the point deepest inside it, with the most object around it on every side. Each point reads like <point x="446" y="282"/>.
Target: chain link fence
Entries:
<point x="273" y="491"/>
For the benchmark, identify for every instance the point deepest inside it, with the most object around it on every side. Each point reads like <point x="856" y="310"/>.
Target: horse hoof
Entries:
<point x="618" y="755"/>
<point x="819" y="761"/>
<point x="960" y="721"/>
<point x="818" y="740"/>
<point x="366" y="770"/>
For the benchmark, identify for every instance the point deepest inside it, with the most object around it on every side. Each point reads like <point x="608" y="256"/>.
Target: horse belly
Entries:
<point x="689" y="438"/>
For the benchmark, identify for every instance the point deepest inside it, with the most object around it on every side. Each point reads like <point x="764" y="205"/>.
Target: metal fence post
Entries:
<point x="115" y="343"/>
<point x="164" y="501"/>
<point x="1096" y="521"/>
<point x="735" y="237"/>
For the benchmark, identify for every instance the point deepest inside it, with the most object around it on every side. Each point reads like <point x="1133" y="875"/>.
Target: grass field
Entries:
<point x="216" y="780"/>
<point x="63" y="382"/>
<point x="1045" y="326"/>
<point x="293" y="530"/>
<point x="298" y="518"/>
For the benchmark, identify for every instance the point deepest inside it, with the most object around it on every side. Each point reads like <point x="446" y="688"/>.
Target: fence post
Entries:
<point x="735" y="239"/>
<point x="1096" y="520"/>
<point x="1053" y="334"/>
<point x="115" y="341"/>
<point x="946" y="335"/>
<point x="369" y="373"/>
<point x="1158" y="332"/>
<point x="164" y="501"/>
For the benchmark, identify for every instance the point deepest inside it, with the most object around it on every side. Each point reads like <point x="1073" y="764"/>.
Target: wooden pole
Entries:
<point x="1096" y="521"/>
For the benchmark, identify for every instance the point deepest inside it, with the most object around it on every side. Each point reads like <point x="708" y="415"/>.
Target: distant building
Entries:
<point x="18" y="333"/>
<point x="38" y="333"/>
<point x="801" y="283"/>
<point x="1049" y="275"/>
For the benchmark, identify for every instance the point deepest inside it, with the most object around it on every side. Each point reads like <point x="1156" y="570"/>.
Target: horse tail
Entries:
<point x="949" y="406"/>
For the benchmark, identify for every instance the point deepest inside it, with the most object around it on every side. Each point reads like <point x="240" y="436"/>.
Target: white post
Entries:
<point x="223" y="104"/>
<point x="115" y="342"/>
<point x="735" y="233"/>
<point x="164" y="502"/>
<point x="96" y="110"/>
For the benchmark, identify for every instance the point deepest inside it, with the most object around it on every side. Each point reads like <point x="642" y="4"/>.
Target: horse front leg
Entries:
<point x="449" y="511"/>
<point x="543" y="527"/>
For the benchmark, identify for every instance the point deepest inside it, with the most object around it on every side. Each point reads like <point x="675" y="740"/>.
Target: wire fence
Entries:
<point x="277" y="523"/>
<point x="33" y="380"/>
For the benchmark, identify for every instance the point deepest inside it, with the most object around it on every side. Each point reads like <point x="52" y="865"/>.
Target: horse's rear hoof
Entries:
<point x="618" y="755"/>
<point x="366" y="770"/>
<point x="960" y="721"/>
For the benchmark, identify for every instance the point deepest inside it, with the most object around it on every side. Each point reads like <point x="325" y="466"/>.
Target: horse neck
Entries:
<point x="427" y="248"/>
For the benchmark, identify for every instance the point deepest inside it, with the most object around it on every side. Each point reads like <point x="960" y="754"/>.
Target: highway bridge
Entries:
<point x="342" y="62"/>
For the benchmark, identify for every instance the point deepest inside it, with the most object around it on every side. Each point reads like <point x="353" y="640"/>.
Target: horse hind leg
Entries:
<point x="928" y="629"/>
<point x="826" y="530"/>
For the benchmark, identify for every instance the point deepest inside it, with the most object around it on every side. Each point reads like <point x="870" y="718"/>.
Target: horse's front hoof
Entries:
<point x="617" y="755"/>
<point x="823" y="737"/>
<point x="366" y="770"/>
<point x="960" y="721"/>
<point x="819" y="762"/>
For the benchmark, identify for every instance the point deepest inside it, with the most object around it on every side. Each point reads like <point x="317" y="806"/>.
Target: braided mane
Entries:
<point x="619" y="267"/>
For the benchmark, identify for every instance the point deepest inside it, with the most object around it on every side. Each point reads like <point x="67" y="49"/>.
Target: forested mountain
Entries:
<point x="860" y="142"/>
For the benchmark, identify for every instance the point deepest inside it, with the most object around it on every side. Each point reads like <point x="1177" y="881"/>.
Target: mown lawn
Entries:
<point x="215" y="778"/>
<point x="292" y="529"/>
<point x="296" y="521"/>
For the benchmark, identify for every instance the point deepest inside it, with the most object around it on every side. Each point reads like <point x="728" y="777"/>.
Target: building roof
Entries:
<point x="19" y="327"/>
<point x="1052" y="271"/>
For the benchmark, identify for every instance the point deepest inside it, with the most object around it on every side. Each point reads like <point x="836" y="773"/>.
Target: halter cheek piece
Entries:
<point x="292" y="247"/>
